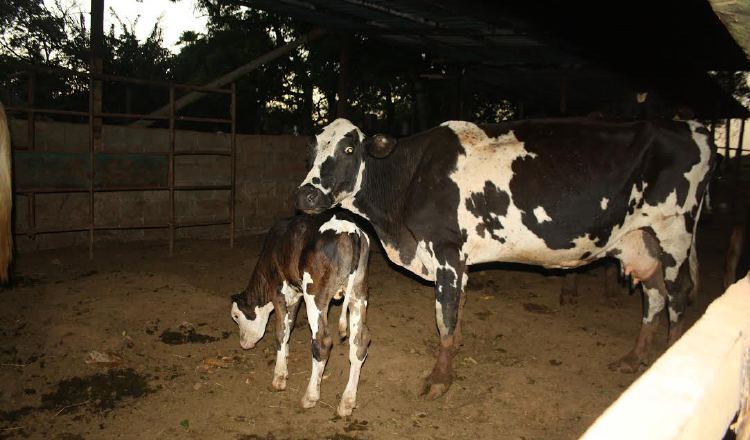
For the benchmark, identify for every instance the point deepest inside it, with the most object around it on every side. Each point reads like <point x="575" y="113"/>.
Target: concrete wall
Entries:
<point x="268" y="170"/>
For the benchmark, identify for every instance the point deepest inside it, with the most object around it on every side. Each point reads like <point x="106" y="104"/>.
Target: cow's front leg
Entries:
<point x="450" y="280"/>
<point x="285" y="315"/>
<point x="321" y="347"/>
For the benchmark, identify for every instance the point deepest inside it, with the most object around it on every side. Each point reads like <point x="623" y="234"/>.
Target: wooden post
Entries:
<point x="342" y="106"/>
<point x="92" y="138"/>
<point x="171" y="169"/>
<point x="738" y="162"/>
<point x="96" y="67"/>
<point x="233" y="183"/>
<point x="727" y="131"/>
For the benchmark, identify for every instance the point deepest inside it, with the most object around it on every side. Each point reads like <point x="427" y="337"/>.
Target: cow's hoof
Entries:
<point x="568" y="299"/>
<point x="279" y="383"/>
<point x="433" y="390"/>
<point x="630" y="363"/>
<point x="346" y="407"/>
<point x="308" y="403"/>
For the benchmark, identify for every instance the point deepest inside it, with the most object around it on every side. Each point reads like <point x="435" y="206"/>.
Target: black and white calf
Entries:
<point x="557" y="193"/>
<point x="316" y="258"/>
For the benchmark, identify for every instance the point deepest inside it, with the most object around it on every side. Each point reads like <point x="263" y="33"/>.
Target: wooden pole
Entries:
<point x="235" y="74"/>
<point x="97" y="67"/>
<point x="727" y="131"/>
<point x="171" y="169"/>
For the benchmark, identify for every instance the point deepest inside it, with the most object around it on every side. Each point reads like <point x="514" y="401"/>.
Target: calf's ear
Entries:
<point x="379" y="145"/>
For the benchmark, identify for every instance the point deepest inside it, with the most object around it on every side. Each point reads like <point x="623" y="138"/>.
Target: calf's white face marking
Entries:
<point x="251" y="330"/>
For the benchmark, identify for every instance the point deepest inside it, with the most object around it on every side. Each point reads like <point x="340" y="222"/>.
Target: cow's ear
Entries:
<point x="379" y="145"/>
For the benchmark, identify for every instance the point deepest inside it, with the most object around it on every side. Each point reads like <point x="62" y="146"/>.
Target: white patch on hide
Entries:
<point x="313" y="313"/>
<point x="604" y="203"/>
<point x="439" y="318"/>
<point x="541" y="215"/>
<point x="291" y="294"/>
<point x="655" y="304"/>
<point x="339" y="226"/>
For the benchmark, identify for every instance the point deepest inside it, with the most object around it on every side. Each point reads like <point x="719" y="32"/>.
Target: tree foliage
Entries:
<point x="297" y="92"/>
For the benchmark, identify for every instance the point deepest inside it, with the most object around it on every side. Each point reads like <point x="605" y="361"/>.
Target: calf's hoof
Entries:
<point x="346" y="407"/>
<point x="630" y="363"/>
<point x="279" y="383"/>
<point x="308" y="402"/>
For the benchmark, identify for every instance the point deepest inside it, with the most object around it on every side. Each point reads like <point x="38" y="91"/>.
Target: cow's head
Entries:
<point x="251" y="318"/>
<point x="338" y="165"/>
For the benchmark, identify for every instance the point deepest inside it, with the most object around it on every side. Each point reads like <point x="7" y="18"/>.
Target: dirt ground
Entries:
<point x="529" y="368"/>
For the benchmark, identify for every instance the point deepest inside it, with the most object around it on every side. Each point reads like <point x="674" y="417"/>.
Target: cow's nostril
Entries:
<point x="311" y="197"/>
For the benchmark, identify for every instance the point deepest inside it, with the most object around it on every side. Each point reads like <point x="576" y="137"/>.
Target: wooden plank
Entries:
<point x="694" y="390"/>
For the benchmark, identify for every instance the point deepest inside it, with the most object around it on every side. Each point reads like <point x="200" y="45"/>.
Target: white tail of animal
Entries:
<point x="6" y="199"/>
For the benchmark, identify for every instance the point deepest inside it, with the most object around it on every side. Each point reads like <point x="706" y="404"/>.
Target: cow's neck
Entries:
<point x="385" y="188"/>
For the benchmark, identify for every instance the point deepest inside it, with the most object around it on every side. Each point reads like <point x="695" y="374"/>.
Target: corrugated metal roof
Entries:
<point x="627" y="43"/>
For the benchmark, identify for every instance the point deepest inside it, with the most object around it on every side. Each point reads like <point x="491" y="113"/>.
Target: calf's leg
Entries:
<point x="359" y="341"/>
<point x="321" y="346"/>
<point x="285" y="315"/>
<point x="342" y="318"/>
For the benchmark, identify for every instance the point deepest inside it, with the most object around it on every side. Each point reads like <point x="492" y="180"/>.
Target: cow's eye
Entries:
<point x="349" y="150"/>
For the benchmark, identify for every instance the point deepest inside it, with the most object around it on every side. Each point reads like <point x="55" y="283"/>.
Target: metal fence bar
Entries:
<point x="171" y="170"/>
<point x="92" y="189"/>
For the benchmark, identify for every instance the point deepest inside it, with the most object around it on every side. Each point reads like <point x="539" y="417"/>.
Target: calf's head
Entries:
<point x="338" y="165"/>
<point x="251" y="319"/>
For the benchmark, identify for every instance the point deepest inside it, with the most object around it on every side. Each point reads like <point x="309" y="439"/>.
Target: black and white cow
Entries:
<point x="315" y="258"/>
<point x="558" y="193"/>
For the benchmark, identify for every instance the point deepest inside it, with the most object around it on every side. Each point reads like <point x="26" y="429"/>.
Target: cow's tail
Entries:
<point x="693" y="266"/>
<point x="6" y="199"/>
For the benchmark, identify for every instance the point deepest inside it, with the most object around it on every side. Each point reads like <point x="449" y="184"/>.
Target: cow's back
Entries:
<point x="560" y="192"/>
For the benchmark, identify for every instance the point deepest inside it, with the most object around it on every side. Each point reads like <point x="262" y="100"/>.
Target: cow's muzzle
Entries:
<point x="312" y="200"/>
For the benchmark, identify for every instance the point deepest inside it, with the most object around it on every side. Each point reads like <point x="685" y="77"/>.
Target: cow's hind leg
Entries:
<point x="611" y="287"/>
<point x="317" y="308"/>
<point x="681" y="292"/>
<point x="450" y="280"/>
<point x="569" y="291"/>
<point x="640" y="255"/>
<point x="285" y="315"/>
